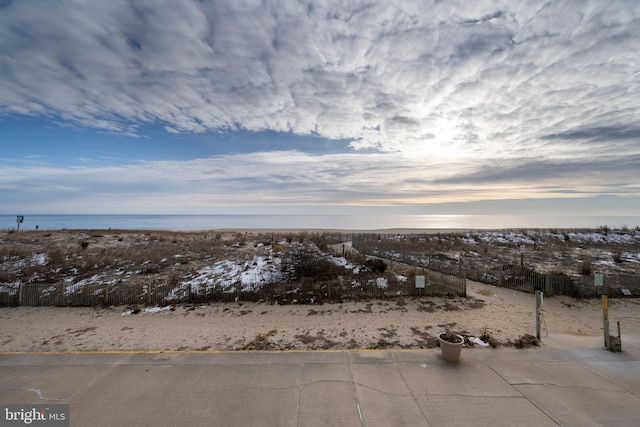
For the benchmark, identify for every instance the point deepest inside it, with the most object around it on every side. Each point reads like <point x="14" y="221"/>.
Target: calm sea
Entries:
<point x="342" y="222"/>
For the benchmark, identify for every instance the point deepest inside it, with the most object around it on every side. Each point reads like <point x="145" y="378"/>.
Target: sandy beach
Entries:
<point x="386" y="323"/>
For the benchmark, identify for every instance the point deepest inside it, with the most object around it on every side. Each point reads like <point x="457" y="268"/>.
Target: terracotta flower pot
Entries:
<point x="451" y="350"/>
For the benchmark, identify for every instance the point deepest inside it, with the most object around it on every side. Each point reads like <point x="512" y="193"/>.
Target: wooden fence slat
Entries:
<point x="441" y="284"/>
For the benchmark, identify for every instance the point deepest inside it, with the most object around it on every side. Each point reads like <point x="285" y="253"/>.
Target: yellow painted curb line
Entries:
<point x="90" y="352"/>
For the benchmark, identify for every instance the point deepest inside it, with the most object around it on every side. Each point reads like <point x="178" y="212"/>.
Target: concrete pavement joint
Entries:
<point x="355" y="391"/>
<point x="187" y="397"/>
<point x="587" y="367"/>
<point x="472" y="396"/>
<point x="523" y="396"/>
<point x="301" y="388"/>
<point x="357" y="384"/>
<point x="569" y="386"/>
<point x="92" y="382"/>
<point x="412" y="394"/>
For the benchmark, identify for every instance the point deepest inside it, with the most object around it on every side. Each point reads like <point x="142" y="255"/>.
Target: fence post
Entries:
<point x="547" y="285"/>
<point x="20" y="293"/>
<point x="539" y="296"/>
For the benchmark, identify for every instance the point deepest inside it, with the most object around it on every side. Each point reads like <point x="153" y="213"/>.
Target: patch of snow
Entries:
<point x="75" y="287"/>
<point x="228" y="275"/>
<point x="39" y="259"/>
<point x="633" y="257"/>
<point x="505" y="237"/>
<point x="624" y="238"/>
<point x="10" y="288"/>
<point x="382" y="283"/>
<point x="260" y="271"/>
<point x="157" y="309"/>
<point x="342" y="262"/>
<point x="8" y="263"/>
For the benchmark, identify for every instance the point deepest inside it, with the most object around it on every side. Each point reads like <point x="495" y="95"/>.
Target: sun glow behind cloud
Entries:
<point x="411" y="102"/>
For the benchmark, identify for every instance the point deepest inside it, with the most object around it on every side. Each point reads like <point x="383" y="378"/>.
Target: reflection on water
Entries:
<point x="342" y="222"/>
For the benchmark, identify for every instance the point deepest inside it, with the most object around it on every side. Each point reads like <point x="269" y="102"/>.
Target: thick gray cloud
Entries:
<point x="601" y="133"/>
<point x="519" y="84"/>
<point x="566" y="176"/>
<point x="336" y="69"/>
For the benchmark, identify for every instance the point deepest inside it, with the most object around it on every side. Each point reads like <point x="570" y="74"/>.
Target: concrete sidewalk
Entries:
<point x="550" y="386"/>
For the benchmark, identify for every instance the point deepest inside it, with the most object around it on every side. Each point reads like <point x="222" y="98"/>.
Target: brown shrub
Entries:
<point x="617" y="256"/>
<point x="526" y="341"/>
<point x="376" y="265"/>
<point x="586" y="268"/>
<point x="56" y="256"/>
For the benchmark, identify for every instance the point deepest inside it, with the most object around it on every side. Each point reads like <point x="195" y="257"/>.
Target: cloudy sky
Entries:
<point x="184" y="106"/>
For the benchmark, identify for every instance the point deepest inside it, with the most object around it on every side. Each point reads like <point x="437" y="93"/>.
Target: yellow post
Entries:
<point x="605" y="320"/>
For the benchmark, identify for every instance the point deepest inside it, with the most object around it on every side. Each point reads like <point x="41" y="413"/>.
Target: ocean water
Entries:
<point x="341" y="222"/>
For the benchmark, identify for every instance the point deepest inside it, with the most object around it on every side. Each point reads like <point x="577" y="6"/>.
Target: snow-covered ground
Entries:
<point x="232" y="262"/>
<point x="605" y="251"/>
<point x="229" y="264"/>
